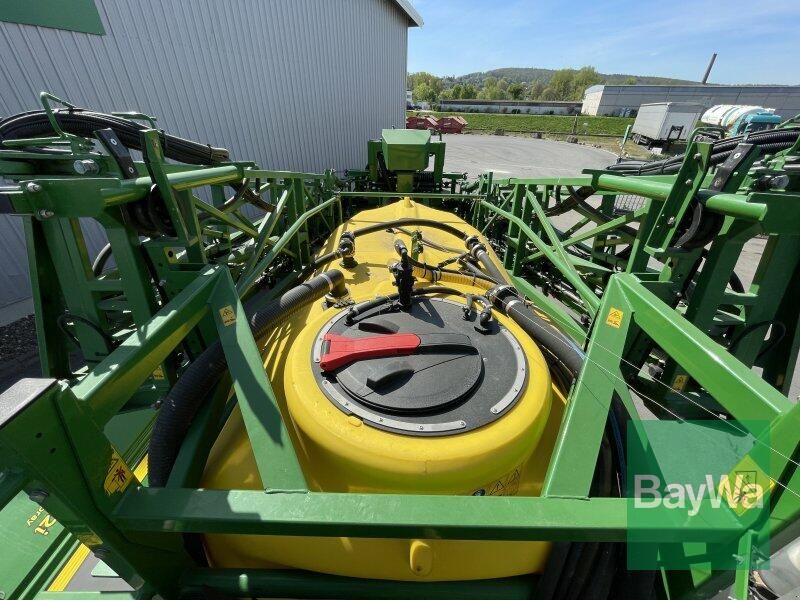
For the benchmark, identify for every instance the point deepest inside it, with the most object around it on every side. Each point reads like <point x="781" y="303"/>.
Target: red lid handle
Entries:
<point x="339" y="351"/>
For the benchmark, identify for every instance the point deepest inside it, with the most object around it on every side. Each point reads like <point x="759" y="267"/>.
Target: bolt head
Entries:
<point x="671" y="221"/>
<point x="689" y="181"/>
<point x="45" y="213"/>
<point x="33" y="187"/>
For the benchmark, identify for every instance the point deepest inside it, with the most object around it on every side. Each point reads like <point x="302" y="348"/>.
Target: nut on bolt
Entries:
<point x="33" y="187"/>
<point x="45" y="213"/>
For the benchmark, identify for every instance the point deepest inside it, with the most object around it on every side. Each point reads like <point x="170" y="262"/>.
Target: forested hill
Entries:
<point x="520" y="84"/>
<point x="530" y="74"/>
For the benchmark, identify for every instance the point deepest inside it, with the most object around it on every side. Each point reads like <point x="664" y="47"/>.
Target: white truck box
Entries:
<point x="656" y="121"/>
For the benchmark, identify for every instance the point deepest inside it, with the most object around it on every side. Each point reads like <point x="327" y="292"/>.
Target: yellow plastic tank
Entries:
<point x="493" y="438"/>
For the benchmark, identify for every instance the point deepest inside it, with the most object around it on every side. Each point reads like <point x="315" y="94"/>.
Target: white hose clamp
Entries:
<point x="331" y="284"/>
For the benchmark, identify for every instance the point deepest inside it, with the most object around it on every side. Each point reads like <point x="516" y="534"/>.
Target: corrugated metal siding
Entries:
<point x="613" y="99"/>
<point x="291" y="84"/>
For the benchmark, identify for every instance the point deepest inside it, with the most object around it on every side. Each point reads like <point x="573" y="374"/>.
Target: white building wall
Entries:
<point x="618" y="99"/>
<point x="291" y="84"/>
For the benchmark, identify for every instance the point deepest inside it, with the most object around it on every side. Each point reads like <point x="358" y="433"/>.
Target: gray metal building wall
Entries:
<point x="614" y="99"/>
<point x="292" y="84"/>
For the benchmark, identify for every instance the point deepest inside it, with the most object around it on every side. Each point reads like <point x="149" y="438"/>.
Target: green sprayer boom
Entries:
<point x="632" y="268"/>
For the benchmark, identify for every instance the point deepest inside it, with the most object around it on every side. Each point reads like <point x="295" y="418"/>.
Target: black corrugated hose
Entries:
<point x="198" y="381"/>
<point x="769" y="142"/>
<point x="585" y="570"/>
<point x="84" y="123"/>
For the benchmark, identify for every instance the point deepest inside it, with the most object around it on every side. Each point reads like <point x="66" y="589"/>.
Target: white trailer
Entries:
<point x="661" y="123"/>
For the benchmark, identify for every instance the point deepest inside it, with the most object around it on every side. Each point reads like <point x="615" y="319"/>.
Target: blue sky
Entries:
<point x="758" y="41"/>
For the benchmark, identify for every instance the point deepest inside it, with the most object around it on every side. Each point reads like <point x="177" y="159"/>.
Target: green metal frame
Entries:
<point x="404" y="155"/>
<point x="626" y="309"/>
<point x="138" y="530"/>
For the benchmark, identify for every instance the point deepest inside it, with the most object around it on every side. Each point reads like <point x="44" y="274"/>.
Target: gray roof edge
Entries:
<point x="715" y="86"/>
<point x="408" y="8"/>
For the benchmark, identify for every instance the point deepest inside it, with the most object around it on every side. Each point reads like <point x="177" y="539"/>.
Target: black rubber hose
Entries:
<point x="84" y="123"/>
<point x="557" y="344"/>
<point x="100" y="261"/>
<point x="579" y="575"/>
<point x="474" y="270"/>
<point x="197" y="382"/>
<point x="768" y="141"/>
<point x="410" y="222"/>
<point x="491" y="269"/>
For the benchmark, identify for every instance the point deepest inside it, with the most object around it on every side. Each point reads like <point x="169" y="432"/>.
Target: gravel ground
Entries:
<point x="18" y="351"/>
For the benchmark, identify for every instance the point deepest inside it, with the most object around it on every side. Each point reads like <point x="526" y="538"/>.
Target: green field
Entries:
<point x="543" y="123"/>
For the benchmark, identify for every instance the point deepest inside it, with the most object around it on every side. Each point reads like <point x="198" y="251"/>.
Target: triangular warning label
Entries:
<point x="497" y="489"/>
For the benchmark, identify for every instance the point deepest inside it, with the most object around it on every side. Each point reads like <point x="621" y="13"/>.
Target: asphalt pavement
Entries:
<point x="513" y="156"/>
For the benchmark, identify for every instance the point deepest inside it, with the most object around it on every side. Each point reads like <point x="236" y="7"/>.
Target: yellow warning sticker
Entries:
<point x="228" y="315"/>
<point x="158" y="373"/>
<point x="746" y="487"/>
<point x="118" y="476"/>
<point x="614" y="318"/>
<point x="679" y="383"/>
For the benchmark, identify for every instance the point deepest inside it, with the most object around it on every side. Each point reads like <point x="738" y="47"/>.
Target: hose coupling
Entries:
<point x="475" y="246"/>
<point x="347" y="250"/>
<point x="503" y="296"/>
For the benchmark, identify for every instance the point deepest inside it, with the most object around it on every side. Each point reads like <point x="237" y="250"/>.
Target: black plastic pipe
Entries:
<point x="84" y="123"/>
<point x="198" y="381"/>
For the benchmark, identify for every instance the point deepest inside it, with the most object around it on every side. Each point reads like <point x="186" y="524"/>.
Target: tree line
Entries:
<point x="564" y="84"/>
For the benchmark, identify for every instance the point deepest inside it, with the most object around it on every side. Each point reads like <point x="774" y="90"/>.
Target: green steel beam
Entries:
<point x="567" y="270"/>
<point x="274" y="453"/>
<point x="106" y="388"/>
<point x="736" y="387"/>
<point x="247" y="280"/>
<point x="572" y="466"/>
<point x="410" y="516"/>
